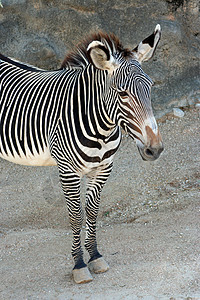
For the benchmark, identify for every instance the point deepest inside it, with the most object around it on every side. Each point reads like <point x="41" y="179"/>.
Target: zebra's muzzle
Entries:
<point x="150" y="153"/>
<point x="153" y="146"/>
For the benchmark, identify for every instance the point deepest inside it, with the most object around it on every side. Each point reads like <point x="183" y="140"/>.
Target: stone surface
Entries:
<point x="41" y="32"/>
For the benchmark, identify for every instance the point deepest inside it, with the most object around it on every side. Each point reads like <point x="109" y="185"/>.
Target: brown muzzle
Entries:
<point x="153" y="147"/>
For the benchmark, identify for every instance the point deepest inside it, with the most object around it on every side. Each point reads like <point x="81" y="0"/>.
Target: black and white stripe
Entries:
<point x="71" y="117"/>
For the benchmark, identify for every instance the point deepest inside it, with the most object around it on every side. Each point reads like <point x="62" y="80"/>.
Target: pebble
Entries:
<point x="197" y="105"/>
<point x="178" y="112"/>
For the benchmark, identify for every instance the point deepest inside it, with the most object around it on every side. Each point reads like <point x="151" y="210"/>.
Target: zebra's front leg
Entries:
<point x="71" y="187"/>
<point x="96" y="263"/>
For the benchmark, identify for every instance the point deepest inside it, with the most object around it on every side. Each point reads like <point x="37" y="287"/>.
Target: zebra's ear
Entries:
<point x="145" y="50"/>
<point x="101" y="57"/>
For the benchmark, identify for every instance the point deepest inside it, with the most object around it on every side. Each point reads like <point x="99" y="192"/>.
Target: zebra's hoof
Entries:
<point x="98" y="265"/>
<point x="82" y="275"/>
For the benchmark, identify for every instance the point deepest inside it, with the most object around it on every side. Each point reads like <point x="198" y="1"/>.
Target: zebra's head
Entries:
<point x="128" y="94"/>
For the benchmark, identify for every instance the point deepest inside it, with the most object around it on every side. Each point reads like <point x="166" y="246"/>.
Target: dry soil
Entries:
<point x="148" y="226"/>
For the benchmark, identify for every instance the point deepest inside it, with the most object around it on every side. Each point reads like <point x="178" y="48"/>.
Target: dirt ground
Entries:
<point x="148" y="226"/>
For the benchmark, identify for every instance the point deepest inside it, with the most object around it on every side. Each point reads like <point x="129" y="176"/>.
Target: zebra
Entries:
<point x="72" y="117"/>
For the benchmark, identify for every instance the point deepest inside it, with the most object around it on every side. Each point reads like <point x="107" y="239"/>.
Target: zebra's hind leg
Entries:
<point x="97" y="180"/>
<point x="71" y="187"/>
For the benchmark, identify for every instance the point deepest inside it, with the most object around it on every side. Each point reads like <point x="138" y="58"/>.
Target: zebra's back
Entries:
<point x="28" y="112"/>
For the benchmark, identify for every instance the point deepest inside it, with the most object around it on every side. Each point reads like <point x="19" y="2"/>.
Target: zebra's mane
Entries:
<point x="79" y="56"/>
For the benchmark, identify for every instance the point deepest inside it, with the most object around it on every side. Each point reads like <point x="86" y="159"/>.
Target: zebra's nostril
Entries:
<point x="149" y="152"/>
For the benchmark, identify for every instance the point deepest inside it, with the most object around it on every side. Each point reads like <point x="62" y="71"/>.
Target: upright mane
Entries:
<point x="79" y="57"/>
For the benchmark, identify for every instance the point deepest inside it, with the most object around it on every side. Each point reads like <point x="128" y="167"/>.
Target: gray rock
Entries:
<point x="42" y="32"/>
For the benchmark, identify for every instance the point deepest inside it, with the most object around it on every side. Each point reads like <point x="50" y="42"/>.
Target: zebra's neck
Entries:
<point x="87" y="106"/>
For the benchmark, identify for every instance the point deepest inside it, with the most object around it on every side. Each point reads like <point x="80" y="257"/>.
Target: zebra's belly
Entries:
<point x="43" y="158"/>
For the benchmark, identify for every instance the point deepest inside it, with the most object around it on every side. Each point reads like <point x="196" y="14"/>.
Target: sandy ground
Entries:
<point x="148" y="226"/>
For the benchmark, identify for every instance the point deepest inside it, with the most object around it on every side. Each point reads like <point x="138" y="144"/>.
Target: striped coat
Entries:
<point x="72" y="117"/>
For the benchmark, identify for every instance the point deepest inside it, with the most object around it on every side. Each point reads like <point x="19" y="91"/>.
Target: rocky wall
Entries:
<point x="41" y="32"/>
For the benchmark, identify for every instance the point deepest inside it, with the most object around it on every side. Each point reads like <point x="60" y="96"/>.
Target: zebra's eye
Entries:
<point x="123" y="94"/>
